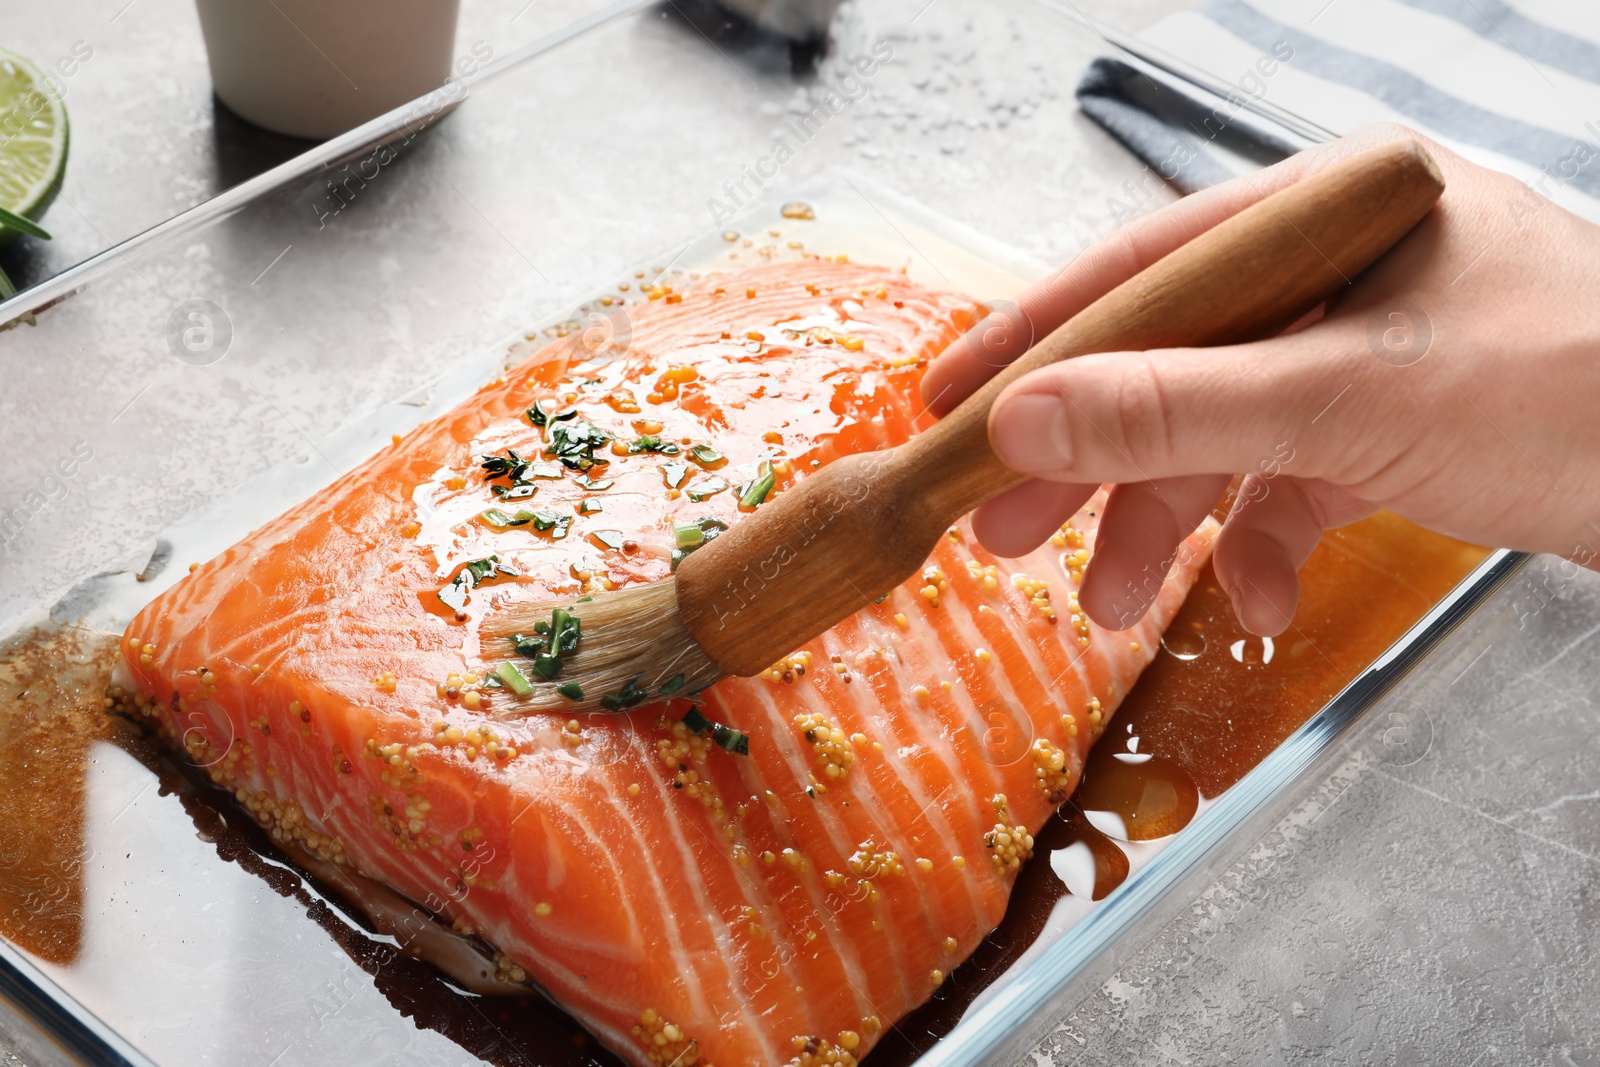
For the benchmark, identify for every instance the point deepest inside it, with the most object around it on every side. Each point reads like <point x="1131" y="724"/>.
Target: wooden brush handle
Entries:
<point x="848" y="534"/>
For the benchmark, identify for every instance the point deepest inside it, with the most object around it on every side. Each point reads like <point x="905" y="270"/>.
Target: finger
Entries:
<point x="1138" y="541"/>
<point x="1272" y="530"/>
<point x="1139" y="416"/>
<point x="1010" y="329"/>
<point x="1006" y="331"/>
<point x="1018" y="520"/>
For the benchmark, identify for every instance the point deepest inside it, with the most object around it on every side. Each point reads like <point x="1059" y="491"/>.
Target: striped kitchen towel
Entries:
<point x="1230" y="85"/>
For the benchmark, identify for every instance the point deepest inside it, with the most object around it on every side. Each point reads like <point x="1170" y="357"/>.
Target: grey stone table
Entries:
<point x="1431" y="901"/>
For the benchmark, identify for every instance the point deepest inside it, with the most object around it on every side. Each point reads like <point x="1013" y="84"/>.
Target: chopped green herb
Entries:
<point x="688" y="536"/>
<point x="651" y="443"/>
<point x="514" y="679"/>
<point x="570" y="690"/>
<point x="592" y="483"/>
<point x="583" y="600"/>
<point x="881" y="599"/>
<point x="631" y="694"/>
<point x="553" y="522"/>
<point x="454" y="594"/>
<point x="674" y="473"/>
<point x="589" y="507"/>
<point x="500" y="520"/>
<point x="544" y="470"/>
<point x="755" y="492"/>
<point x="473" y="574"/>
<point x="484" y="569"/>
<point x="705" y="455"/>
<point x="521" y="491"/>
<point x="549" y="642"/>
<point x="517" y="470"/>
<point x="539" y="416"/>
<point x="608" y="538"/>
<point x="706" y="488"/>
<point x="492" y="681"/>
<point x="735" y="741"/>
<point x="573" y="445"/>
<point x="673" y="684"/>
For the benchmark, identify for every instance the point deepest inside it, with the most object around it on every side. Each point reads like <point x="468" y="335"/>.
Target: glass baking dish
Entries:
<point x="171" y="393"/>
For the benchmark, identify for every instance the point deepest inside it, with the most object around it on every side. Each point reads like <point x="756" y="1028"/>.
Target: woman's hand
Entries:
<point x="1457" y="382"/>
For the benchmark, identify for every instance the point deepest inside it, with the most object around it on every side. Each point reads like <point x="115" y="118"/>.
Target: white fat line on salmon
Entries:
<point x="938" y="728"/>
<point x="803" y="128"/>
<point x="1012" y="620"/>
<point x="780" y="725"/>
<point x="874" y="808"/>
<point x="773" y="920"/>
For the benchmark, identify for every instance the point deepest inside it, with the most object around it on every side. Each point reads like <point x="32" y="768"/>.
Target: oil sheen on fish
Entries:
<point x="689" y="904"/>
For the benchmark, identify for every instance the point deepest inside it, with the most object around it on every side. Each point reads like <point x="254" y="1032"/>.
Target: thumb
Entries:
<point x="1139" y="416"/>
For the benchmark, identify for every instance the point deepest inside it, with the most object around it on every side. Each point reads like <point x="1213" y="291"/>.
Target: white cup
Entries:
<point x="316" y="68"/>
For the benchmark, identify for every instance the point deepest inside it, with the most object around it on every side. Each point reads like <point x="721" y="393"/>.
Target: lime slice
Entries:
<point x="33" y="140"/>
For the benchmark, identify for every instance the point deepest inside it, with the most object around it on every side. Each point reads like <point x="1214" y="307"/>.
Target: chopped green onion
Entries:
<point x="471" y="575"/>
<point x="573" y="445"/>
<point x="551" y="641"/>
<point x="570" y="690"/>
<point x="495" y="466"/>
<point x="500" y="520"/>
<point x="726" y="737"/>
<point x="630" y="695"/>
<point x="753" y="494"/>
<point x="735" y="741"/>
<point x="674" y="473"/>
<point x="521" y="491"/>
<point x="705" y="455"/>
<point x="689" y="536"/>
<point x="673" y="685"/>
<point x="541" y="417"/>
<point x="608" y="538"/>
<point x="553" y="522"/>
<point x="651" y="443"/>
<point x="589" y="482"/>
<point x="706" y="488"/>
<point x="589" y="507"/>
<point x="514" y="679"/>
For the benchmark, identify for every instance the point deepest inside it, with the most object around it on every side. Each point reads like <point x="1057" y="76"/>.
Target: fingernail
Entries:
<point x="1031" y="434"/>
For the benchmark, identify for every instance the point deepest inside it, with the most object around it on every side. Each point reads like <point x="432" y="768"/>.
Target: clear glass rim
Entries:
<point x="389" y="126"/>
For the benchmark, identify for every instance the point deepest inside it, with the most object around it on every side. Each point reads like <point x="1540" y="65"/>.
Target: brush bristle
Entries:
<point x="632" y="641"/>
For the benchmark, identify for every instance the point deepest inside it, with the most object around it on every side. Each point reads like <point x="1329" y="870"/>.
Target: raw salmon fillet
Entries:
<point x="687" y="903"/>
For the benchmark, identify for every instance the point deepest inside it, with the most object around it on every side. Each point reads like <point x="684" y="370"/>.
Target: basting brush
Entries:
<point x="850" y="532"/>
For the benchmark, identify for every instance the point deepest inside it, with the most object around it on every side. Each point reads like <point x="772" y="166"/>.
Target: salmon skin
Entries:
<point x="687" y="903"/>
